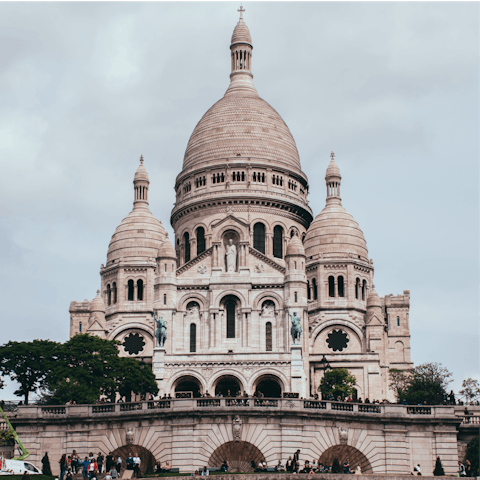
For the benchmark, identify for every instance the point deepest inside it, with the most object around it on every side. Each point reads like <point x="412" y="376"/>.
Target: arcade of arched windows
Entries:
<point x="271" y="240"/>
<point x="134" y="290"/>
<point x="336" y="287"/>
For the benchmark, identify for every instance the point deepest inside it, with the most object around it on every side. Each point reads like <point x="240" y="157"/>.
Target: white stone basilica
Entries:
<point x="247" y="257"/>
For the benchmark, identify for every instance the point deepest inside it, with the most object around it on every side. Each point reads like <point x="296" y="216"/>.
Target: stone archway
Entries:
<point x="228" y="385"/>
<point x="145" y="455"/>
<point x="343" y="452"/>
<point x="269" y="385"/>
<point x="239" y="456"/>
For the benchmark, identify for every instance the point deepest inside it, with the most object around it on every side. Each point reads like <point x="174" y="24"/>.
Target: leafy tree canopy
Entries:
<point x="338" y="382"/>
<point x="425" y="383"/>
<point x="28" y="363"/>
<point x="82" y="369"/>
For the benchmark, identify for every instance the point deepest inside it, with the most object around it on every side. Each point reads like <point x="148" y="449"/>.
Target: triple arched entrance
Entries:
<point x="268" y="386"/>
<point x="241" y="456"/>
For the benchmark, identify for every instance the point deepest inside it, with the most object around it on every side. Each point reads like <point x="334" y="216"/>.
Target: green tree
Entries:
<point x="472" y="456"/>
<point x="89" y="367"/>
<point x="470" y="388"/>
<point x="131" y="376"/>
<point x="28" y="363"/>
<point x="438" y="471"/>
<point x="84" y="370"/>
<point x="424" y="383"/>
<point x="338" y="382"/>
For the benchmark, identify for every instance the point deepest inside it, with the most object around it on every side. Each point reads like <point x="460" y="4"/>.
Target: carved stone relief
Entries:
<point x="237" y="428"/>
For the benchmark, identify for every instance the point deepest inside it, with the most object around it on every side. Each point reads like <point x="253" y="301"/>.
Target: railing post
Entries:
<point x="144" y="405"/>
<point x="328" y="405"/>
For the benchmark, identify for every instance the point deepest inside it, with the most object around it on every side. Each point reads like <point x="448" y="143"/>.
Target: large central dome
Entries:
<point x="241" y="123"/>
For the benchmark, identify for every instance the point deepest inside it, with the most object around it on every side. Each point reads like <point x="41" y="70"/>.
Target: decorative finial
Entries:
<point x="141" y="159"/>
<point x="332" y="155"/>
<point x="241" y="10"/>
<point x="98" y="292"/>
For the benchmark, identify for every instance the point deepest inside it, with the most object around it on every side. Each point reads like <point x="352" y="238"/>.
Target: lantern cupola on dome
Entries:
<point x="334" y="233"/>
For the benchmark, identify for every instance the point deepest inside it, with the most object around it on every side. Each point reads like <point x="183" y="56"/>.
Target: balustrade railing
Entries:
<point x="237" y="402"/>
<point x="53" y="410"/>
<point x="264" y="402"/>
<point x="344" y="407"/>
<point x="471" y="420"/>
<point x="103" y="408"/>
<point x="208" y="402"/>
<point x="314" y="404"/>
<point x="419" y="410"/>
<point x="128" y="407"/>
<point x="159" y="404"/>
<point x="250" y="403"/>
<point x="367" y="408"/>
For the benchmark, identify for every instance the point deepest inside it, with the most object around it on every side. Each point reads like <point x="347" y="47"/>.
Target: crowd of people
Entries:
<point x="94" y="465"/>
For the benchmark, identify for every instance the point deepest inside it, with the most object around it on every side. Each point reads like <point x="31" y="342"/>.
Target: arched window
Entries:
<point x="341" y="286"/>
<point x="80" y="327"/>
<point x="278" y="242"/>
<point x="230" y="307"/>
<point x="200" y="240"/>
<point x="186" y="241"/>
<point x="193" y="338"/>
<point x="331" y="286"/>
<point x="114" y="289"/>
<point x="259" y="237"/>
<point x="296" y="297"/>
<point x="309" y="295"/>
<point x="357" y="288"/>
<point x="139" y="289"/>
<point x="364" y="289"/>
<point x="130" y="290"/>
<point x="109" y="295"/>
<point x="164" y="298"/>
<point x="398" y="321"/>
<point x="268" y="337"/>
<point x="315" y="290"/>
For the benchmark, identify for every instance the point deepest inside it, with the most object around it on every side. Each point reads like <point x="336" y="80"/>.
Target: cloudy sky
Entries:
<point x="392" y="88"/>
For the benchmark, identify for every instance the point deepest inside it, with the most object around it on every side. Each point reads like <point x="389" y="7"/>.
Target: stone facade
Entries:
<point x="247" y="257"/>
<point x="191" y="433"/>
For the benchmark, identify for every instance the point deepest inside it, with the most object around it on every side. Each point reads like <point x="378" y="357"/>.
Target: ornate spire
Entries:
<point x="141" y="183"/>
<point x="332" y="179"/>
<point x="241" y="57"/>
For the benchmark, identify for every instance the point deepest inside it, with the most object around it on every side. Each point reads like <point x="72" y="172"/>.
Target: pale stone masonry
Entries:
<point x="228" y="325"/>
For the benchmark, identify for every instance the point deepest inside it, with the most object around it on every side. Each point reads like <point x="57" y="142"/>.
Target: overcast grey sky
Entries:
<point x="392" y="88"/>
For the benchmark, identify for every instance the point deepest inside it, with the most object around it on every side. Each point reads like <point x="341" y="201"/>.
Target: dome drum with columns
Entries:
<point x="248" y="261"/>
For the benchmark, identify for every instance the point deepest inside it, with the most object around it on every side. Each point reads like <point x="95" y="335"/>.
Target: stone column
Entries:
<point x="269" y="244"/>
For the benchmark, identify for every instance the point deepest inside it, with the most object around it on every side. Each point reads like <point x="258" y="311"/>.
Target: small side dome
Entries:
<point x="166" y="250"/>
<point x="295" y="247"/>
<point x="373" y="300"/>
<point x="97" y="304"/>
<point x="241" y="34"/>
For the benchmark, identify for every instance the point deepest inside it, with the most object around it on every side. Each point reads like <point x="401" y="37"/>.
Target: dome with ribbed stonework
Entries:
<point x="241" y="123"/>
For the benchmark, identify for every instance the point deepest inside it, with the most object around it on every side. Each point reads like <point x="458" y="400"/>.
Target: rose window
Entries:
<point x="133" y="343"/>
<point x="337" y="340"/>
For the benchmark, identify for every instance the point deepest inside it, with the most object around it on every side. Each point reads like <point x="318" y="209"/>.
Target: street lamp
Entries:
<point x="326" y="366"/>
<point x="142" y="366"/>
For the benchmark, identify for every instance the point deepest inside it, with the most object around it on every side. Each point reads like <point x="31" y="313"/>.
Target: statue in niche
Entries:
<point x="268" y="309"/>
<point x="296" y="330"/>
<point x="161" y="330"/>
<point x="231" y="256"/>
<point x="193" y="312"/>
<point x="237" y="428"/>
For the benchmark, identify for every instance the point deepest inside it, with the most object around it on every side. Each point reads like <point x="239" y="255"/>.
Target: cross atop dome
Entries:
<point x="332" y="156"/>
<point x="241" y="10"/>
<point x="141" y="159"/>
<point x="333" y="179"/>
